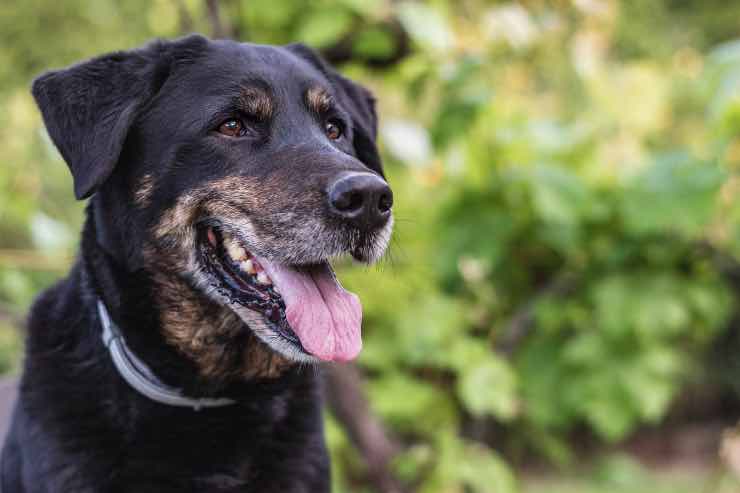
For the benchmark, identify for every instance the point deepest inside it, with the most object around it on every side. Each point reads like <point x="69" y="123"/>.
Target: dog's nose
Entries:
<point x="363" y="199"/>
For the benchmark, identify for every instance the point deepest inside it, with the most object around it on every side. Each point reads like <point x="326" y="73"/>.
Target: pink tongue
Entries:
<point x="324" y="316"/>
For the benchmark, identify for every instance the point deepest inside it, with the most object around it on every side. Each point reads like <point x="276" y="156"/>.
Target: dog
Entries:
<point x="180" y="354"/>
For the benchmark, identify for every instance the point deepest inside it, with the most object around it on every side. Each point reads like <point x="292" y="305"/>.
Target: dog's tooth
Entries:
<point x="275" y="288"/>
<point x="235" y="251"/>
<point x="262" y="278"/>
<point x="248" y="266"/>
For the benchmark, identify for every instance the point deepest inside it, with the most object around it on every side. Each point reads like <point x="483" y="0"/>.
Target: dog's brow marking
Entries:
<point x="318" y="99"/>
<point x="256" y="101"/>
<point x="143" y="193"/>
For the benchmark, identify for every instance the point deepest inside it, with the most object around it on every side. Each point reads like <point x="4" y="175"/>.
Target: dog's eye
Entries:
<point x="333" y="129"/>
<point x="232" y="127"/>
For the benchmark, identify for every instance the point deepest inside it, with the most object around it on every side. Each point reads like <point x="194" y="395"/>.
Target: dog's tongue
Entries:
<point x="324" y="316"/>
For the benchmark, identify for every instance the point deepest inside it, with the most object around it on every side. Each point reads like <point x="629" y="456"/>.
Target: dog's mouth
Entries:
<point x="304" y="313"/>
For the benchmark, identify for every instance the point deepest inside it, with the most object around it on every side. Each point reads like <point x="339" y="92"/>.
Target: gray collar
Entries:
<point x="139" y="376"/>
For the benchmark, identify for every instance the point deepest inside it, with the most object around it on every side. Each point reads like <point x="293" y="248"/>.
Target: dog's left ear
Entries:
<point x="88" y="109"/>
<point x="358" y="101"/>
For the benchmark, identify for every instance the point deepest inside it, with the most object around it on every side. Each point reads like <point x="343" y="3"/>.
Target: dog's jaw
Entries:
<point x="212" y="286"/>
<point x="318" y="320"/>
<point x="305" y="240"/>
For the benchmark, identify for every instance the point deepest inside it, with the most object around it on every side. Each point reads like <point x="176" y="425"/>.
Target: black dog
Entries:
<point x="174" y="356"/>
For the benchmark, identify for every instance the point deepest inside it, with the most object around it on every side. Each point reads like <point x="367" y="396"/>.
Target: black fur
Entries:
<point x="78" y="427"/>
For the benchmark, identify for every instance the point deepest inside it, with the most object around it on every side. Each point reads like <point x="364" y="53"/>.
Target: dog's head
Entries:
<point x="231" y="173"/>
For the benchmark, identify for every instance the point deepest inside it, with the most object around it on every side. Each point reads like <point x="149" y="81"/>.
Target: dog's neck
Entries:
<point x="138" y="374"/>
<point x="189" y="341"/>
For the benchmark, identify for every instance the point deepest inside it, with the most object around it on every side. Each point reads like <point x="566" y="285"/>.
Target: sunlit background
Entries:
<point x="559" y="311"/>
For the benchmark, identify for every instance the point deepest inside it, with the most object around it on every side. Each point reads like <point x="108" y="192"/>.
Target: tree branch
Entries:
<point x="342" y="51"/>
<point x="220" y="29"/>
<point x="186" y="20"/>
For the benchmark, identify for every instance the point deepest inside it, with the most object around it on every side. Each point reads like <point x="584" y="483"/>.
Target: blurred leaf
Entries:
<point x="10" y="348"/>
<point x="374" y="43"/>
<point x="675" y="194"/>
<point x="559" y="196"/>
<point x="427" y="26"/>
<point x="407" y="141"/>
<point x="489" y="387"/>
<point x="485" y="472"/>
<point x="324" y="27"/>
<point x="621" y="471"/>
<point x="410" y="403"/>
<point x="49" y="234"/>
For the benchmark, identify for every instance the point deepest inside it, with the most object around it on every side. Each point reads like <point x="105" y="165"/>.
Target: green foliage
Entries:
<point x="560" y="172"/>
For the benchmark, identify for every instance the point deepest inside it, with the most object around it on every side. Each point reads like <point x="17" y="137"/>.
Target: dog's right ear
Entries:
<point x="89" y="108"/>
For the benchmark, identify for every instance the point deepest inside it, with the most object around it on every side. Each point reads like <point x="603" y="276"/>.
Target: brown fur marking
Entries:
<point x="318" y="99"/>
<point x="265" y="212"/>
<point x="144" y="190"/>
<point x="257" y="102"/>
<point x="213" y="336"/>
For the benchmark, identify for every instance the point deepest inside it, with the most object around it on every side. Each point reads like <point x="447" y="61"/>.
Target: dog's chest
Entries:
<point x="276" y="449"/>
